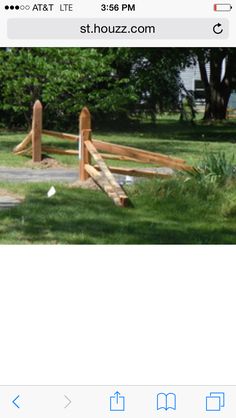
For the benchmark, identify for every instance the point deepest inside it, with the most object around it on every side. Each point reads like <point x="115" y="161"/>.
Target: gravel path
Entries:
<point x="64" y="175"/>
<point x="22" y="175"/>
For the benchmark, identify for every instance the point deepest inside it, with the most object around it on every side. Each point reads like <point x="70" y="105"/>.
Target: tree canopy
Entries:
<point x="116" y="82"/>
<point x="113" y="81"/>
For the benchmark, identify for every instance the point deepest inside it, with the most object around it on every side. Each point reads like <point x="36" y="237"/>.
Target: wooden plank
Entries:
<point x="104" y="184"/>
<point x="105" y="170"/>
<point x="136" y="172"/>
<point x="85" y="135"/>
<point x="147" y="157"/>
<point x="136" y="152"/>
<point x="27" y="151"/>
<point x="37" y="132"/>
<point x="118" y="157"/>
<point x="60" y="135"/>
<point x="24" y="143"/>
<point x="143" y="155"/>
<point x="52" y="150"/>
<point x="84" y="155"/>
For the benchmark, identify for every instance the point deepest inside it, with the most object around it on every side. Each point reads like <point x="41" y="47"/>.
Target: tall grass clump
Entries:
<point x="178" y="197"/>
<point x="217" y="168"/>
<point x="197" y="192"/>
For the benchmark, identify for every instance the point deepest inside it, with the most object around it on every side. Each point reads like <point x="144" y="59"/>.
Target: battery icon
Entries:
<point x="224" y="7"/>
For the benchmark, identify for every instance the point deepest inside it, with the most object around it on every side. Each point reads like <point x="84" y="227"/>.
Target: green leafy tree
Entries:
<point x="157" y="77"/>
<point x="64" y="79"/>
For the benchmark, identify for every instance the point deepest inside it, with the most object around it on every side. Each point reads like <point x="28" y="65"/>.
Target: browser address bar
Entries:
<point x="86" y="29"/>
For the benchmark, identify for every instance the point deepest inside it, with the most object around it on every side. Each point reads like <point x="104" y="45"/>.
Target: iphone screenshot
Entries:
<point x="117" y="209"/>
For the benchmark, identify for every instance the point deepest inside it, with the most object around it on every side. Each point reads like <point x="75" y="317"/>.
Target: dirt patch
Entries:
<point x="47" y="162"/>
<point x="9" y="200"/>
<point x="88" y="184"/>
<point x="4" y="193"/>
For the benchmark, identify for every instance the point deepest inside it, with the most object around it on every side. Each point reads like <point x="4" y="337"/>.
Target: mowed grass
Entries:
<point x="172" y="211"/>
<point x="164" y="212"/>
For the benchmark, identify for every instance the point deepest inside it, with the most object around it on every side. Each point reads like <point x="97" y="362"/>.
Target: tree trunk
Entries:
<point x="216" y="103"/>
<point x="217" y="85"/>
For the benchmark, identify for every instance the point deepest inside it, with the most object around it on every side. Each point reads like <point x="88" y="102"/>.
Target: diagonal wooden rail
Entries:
<point x="123" y="198"/>
<point x="105" y="185"/>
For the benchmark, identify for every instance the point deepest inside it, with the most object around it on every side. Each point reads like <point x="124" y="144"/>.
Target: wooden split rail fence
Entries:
<point x="92" y="154"/>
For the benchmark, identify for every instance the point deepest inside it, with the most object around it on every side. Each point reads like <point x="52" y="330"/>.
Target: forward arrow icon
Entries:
<point x="68" y="402"/>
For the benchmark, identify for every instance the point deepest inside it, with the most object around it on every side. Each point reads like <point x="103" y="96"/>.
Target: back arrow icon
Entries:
<point x="15" y="403"/>
<point x="68" y="402"/>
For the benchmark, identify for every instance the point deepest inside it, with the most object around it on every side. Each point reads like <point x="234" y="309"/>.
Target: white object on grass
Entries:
<point x="51" y="191"/>
<point x="129" y="180"/>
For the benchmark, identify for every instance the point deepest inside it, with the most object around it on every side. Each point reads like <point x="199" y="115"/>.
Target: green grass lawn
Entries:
<point x="165" y="212"/>
<point x="169" y="212"/>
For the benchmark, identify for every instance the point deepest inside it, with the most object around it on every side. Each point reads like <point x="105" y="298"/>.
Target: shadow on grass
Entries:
<point x="168" y="129"/>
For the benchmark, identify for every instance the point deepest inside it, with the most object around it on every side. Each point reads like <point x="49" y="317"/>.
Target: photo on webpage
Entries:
<point x="117" y="145"/>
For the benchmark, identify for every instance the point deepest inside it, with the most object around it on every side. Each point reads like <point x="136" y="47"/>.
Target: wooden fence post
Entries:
<point x="85" y="135"/>
<point x="37" y="132"/>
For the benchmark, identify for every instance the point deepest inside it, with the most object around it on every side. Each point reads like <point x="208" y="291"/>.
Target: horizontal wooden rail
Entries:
<point x="52" y="150"/>
<point x="143" y="156"/>
<point x="118" y="157"/>
<point x="131" y="152"/>
<point x="136" y="172"/>
<point x="60" y="135"/>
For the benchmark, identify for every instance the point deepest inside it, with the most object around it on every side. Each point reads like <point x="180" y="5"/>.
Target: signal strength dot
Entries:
<point x="12" y="7"/>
